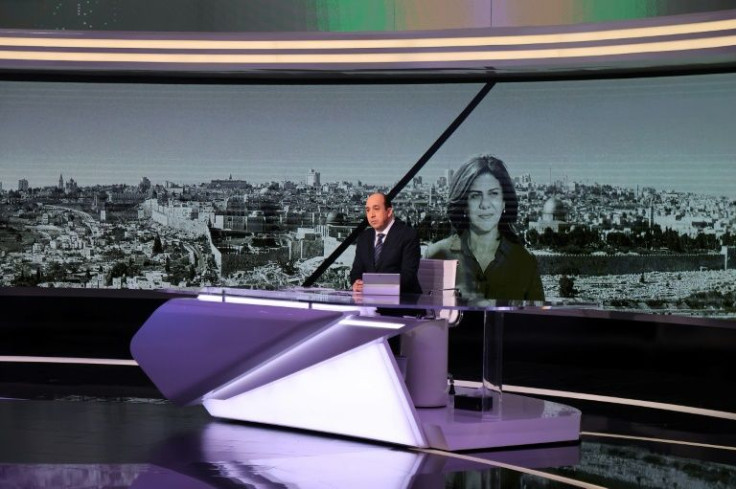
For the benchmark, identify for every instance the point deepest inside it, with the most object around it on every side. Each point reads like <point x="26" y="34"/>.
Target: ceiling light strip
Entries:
<point x="366" y="58"/>
<point x="69" y="360"/>
<point x="400" y="43"/>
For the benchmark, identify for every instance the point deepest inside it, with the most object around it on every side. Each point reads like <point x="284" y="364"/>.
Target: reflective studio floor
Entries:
<point x="84" y="425"/>
<point x="115" y="442"/>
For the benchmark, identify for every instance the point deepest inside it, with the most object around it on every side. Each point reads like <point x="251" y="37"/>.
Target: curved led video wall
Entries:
<point x="625" y="187"/>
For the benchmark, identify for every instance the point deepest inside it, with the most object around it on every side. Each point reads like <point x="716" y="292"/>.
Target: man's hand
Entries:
<point x="358" y="286"/>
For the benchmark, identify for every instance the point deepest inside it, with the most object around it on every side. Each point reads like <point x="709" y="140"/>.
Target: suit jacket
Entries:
<point x="400" y="254"/>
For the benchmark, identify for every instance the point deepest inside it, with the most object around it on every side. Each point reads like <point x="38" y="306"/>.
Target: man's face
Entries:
<point x="376" y="212"/>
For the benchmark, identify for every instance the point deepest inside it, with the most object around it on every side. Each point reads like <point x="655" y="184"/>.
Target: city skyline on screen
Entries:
<point x="665" y="133"/>
<point x="626" y="195"/>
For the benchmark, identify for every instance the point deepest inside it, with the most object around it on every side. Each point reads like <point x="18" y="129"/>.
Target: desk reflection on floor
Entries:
<point x="234" y="455"/>
<point x="58" y="444"/>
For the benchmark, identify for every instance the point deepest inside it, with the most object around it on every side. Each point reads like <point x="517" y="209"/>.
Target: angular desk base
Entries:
<point x="376" y="406"/>
<point x="523" y="421"/>
<point x="324" y="371"/>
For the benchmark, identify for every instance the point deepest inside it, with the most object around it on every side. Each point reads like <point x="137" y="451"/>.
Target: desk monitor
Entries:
<point x="381" y="283"/>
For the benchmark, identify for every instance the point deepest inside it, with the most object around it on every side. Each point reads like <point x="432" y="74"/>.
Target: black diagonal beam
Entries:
<point x="404" y="180"/>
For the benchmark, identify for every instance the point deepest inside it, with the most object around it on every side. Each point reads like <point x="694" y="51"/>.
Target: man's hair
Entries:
<point x="386" y="200"/>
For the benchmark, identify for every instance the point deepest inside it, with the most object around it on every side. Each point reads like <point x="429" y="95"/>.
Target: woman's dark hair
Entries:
<point x="460" y="185"/>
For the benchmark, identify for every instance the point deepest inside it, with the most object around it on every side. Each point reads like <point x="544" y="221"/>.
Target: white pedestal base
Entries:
<point x="521" y="421"/>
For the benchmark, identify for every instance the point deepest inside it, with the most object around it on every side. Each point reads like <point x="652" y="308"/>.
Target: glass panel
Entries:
<point x="492" y="362"/>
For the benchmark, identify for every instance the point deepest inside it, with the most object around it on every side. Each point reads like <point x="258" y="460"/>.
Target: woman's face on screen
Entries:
<point x="485" y="203"/>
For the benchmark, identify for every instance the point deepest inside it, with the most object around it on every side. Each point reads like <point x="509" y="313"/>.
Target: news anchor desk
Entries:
<point x="320" y="360"/>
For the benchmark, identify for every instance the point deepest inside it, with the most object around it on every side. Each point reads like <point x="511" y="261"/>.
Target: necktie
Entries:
<point x="378" y="248"/>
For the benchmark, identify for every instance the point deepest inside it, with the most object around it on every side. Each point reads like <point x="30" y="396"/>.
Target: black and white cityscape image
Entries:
<point x="626" y="195"/>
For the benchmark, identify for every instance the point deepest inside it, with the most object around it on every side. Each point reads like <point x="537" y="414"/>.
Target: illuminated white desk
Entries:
<point x="320" y="361"/>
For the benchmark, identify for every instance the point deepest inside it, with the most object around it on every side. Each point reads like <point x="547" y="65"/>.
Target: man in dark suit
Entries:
<point x="389" y="246"/>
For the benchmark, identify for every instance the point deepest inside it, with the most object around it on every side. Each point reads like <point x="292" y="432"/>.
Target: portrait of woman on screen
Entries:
<point x="483" y="209"/>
